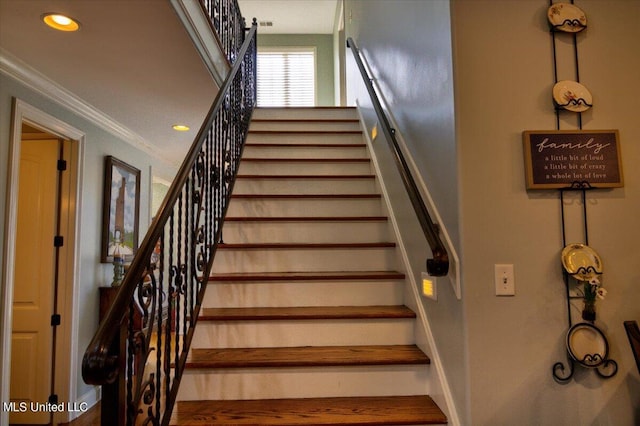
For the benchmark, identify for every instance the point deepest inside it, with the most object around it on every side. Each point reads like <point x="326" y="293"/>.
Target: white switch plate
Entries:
<point x="504" y="280"/>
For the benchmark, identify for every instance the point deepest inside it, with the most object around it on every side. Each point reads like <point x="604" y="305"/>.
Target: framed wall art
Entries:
<point x="121" y="210"/>
<point x="557" y="158"/>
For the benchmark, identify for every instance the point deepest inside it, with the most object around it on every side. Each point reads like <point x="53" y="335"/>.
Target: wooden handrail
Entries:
<point x="171" y="267"/>
<point x="633" y="333"/>
<point x="439" y="265"/>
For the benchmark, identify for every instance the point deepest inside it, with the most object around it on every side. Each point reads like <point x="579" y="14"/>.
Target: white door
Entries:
<point x="31" y="344"/>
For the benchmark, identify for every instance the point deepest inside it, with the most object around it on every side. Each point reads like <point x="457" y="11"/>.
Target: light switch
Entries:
<point x="504" y="280"/>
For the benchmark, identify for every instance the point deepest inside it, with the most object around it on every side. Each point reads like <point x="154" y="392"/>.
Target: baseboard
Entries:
<point x="444" y="398"/>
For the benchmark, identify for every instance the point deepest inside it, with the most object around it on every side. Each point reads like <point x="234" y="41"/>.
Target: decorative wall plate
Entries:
<point x="581" y="261"/>
<point x="567" y="17"/>
<point x="587" y="345"/>
<point x="572" y="96"/>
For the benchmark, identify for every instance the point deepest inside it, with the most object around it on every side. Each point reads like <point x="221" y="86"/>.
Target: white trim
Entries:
<point x="88" y="400"/>
<point x="434" y="355"/>
<point x="41" y="84"/>
<point x="23" y="112"/>
<point x="205" y="40"/>
<point x="295" y="49"/>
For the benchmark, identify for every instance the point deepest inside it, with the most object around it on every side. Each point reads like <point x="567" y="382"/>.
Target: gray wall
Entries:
<point x="324" y="59"/>
<point x="98" y="144"/>
<point x="502" y="78"/>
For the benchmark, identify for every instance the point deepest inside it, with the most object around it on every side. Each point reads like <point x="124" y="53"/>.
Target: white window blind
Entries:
<point x="287" y="77"/>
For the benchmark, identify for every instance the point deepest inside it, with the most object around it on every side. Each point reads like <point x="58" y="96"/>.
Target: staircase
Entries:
<point x="303" y="321"/>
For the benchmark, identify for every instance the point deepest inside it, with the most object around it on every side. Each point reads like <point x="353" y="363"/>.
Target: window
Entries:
<point x="287" y="77"/>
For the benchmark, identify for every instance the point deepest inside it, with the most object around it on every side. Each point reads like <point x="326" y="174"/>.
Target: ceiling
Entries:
<point x="132" y="65"/>
<point x="291" y="16"/>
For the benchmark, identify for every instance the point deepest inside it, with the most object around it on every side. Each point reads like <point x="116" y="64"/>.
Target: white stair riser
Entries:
<point x="304" y="382"/>
<point x="305" y="138"/>
<point x="304" y="168"/>
<point x="305" y="113"/>
<point x="305" y="126"/>
<point x="315" y="232"/>
<point x="274" y="294"/>
<point x="305" y="186"/>
<point x="258" y="151"/>
<point x="296" y="333"/>
<point x="325" y="207"/>
<point x="309" y="232"/>
<point x="308" y="260"/>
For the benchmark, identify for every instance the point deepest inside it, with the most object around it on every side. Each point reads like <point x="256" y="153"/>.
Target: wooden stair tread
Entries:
<point x="307" y="160"/>
<point x="306" y="219"/>
<point x="307" y="108"/>
<point x="306" y="276"/>
<point x="305" y="196"/>
<point x="304" y="145"/>
<point x="394" y="410"/>
<point x="304" y="120"/>
<point x="262" y="246"/>
<point x="307" y="356"/>
<point x="305" y="177"/>
<point x="306" y="313"/>
<point x="307" y="132"/>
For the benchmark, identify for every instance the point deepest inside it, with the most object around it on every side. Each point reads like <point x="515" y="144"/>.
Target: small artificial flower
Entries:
<point x="601" y="293"/>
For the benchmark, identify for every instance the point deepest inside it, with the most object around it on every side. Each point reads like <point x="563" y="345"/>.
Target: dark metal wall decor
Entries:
<point x="586" y="344"/>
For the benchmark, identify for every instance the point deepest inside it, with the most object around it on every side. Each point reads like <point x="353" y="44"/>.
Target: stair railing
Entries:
<point x="439" y="265"/>
<point x="228" y="24"/>
<point x="139" y="351"/>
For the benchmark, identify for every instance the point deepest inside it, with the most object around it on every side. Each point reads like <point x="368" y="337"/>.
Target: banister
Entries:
<point x="174" y="259"/>
<point x="439" y="265"/>
<point x="633" y="333"/>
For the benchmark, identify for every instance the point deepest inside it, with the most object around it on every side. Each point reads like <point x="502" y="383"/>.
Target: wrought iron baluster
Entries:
<point x="169" y="273"/>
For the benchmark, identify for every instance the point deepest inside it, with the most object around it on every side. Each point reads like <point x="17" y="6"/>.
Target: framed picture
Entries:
<point x="120" y="211"/>
<point x="558" y="158"/>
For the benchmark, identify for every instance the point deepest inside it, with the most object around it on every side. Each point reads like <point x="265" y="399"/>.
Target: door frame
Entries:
<point x="66" y="367"/>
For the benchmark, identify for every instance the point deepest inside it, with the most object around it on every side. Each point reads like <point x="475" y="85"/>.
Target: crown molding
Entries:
<point x="41" y="84"/>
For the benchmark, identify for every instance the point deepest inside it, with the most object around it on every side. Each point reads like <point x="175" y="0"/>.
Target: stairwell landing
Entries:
<point x="303" y="321"/>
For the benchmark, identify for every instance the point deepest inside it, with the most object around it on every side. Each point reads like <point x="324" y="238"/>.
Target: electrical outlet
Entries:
<point x="504" y="280"/>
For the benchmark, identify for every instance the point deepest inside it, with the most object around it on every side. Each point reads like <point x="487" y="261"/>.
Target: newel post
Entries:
<point x="113" y="404"/>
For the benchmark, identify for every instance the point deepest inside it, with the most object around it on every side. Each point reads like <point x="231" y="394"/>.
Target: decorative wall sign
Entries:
<point x="121" y="210"/>
<point x="557" y="158"/>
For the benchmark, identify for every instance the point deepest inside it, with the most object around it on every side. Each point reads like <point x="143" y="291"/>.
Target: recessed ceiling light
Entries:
<point x="180" y="128"/>
<point x="60" y="22"/>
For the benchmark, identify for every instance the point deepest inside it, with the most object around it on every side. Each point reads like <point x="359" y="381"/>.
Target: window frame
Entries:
<point x="294" y="49"/>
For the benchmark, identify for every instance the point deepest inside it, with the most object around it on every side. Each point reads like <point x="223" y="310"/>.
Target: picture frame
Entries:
<point x="556" y="159"/>
<point x="120" y="211"/>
